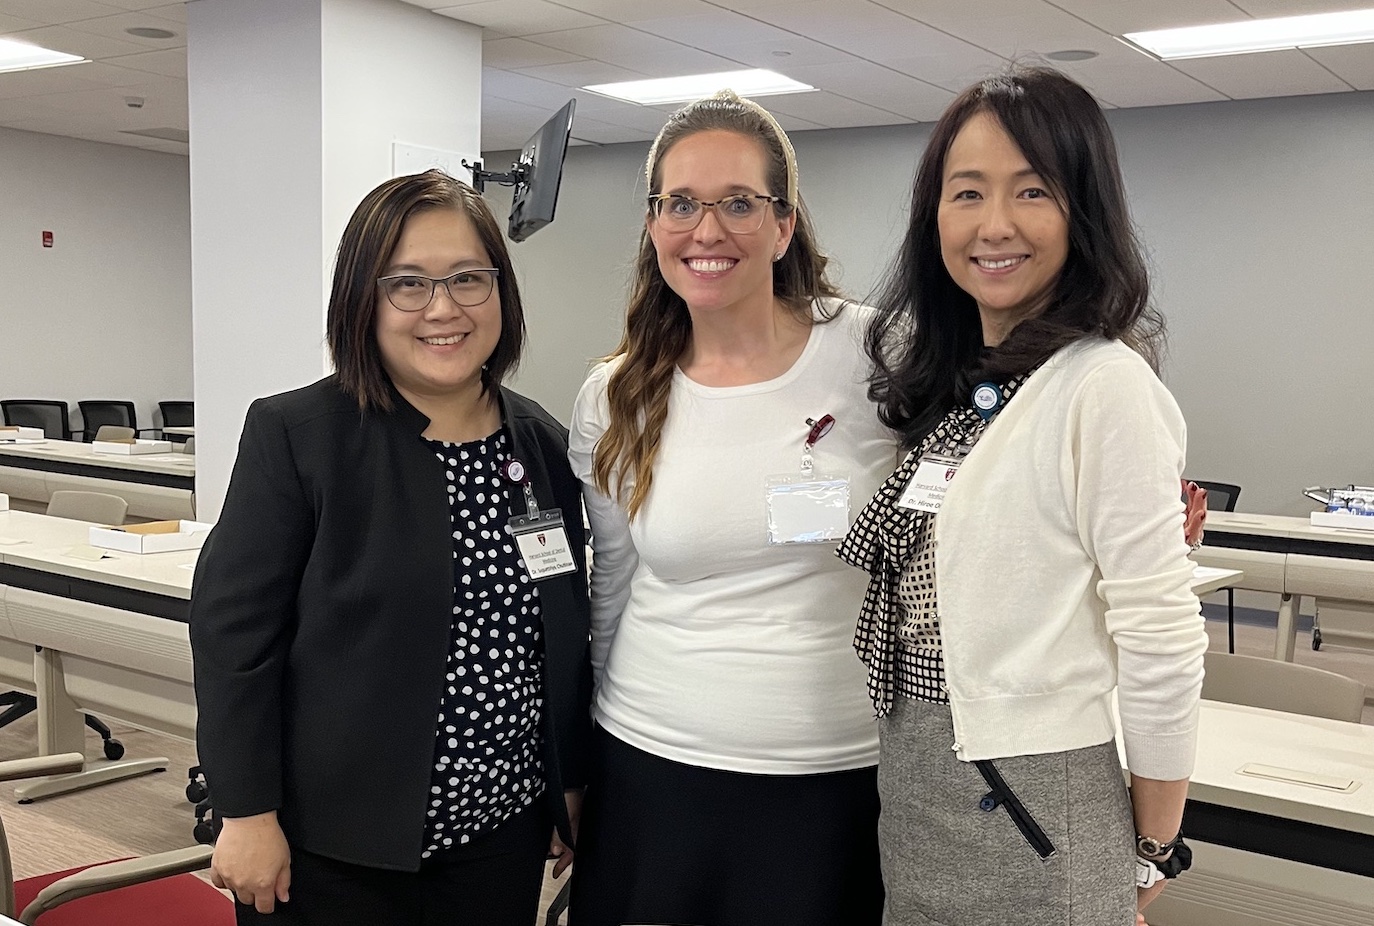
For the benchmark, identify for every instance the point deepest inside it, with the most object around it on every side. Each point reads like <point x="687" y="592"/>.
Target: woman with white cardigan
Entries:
<point x="1026" y="558"/>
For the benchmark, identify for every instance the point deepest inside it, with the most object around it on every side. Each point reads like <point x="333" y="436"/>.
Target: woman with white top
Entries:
<point x="733" y="781"/>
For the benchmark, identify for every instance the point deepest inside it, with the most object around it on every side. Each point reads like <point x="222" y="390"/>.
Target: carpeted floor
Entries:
<point x="151" y="814"/>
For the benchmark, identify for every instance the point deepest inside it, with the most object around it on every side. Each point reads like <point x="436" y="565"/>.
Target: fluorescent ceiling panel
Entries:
<point x="1252" y="35"/>
<point x="21" y="56"/>
<point x="696" y="86"/>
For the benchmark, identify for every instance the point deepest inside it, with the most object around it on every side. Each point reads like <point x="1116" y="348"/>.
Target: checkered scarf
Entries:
<point x="882" y="541"/>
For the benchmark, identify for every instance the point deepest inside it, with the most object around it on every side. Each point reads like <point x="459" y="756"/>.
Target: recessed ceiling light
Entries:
<point x="1252" y="35"/>
<point x="1071" y="54"/>
<point x="21" y="56"/>
<point x="150" y="32"/>
<point x="695" y="86"/>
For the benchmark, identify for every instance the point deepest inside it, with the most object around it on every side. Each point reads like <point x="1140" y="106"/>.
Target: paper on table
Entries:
<point x="11" y="541"/>
<point x="86" y="551"/>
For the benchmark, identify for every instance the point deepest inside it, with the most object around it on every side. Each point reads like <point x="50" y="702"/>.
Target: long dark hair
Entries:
<point x="658" y="328"/>
<point x="364" y="250"/>
<point x="927" y="340"/>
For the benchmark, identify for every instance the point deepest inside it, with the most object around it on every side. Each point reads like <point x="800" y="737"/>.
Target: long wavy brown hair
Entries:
<point x="658" y="328"/>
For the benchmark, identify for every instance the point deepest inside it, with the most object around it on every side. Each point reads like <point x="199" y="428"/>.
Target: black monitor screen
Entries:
<point x="532" y="206"/>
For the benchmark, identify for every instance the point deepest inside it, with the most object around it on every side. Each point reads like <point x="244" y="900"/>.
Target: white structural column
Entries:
<point x="295" y="106"/>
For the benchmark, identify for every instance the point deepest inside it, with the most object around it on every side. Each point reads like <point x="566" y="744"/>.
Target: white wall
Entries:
<point x="106" y="312"/>
<point x="1256" y="215"/>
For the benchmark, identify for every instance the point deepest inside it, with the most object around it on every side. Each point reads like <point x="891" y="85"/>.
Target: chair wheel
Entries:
<point x="197" y="792"/>
<point x="114" y="749"/>
<point x="203" y="833"/>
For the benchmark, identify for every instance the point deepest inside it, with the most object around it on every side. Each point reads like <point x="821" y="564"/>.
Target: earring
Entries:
<point x="778" y="256"/>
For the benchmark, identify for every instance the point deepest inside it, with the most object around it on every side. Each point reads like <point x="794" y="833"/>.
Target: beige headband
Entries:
<point x="789" y="156"/>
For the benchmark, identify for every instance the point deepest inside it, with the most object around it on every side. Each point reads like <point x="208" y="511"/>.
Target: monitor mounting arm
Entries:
<point x="518" y="174"/>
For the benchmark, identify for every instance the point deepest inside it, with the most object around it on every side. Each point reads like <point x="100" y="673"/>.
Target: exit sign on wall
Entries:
<point x="47" y="239"/>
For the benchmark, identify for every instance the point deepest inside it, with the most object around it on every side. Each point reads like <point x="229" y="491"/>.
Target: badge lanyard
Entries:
<point x="809" y="506"/>
<point x="540" y="535"/>
<point x="926" y="489"/>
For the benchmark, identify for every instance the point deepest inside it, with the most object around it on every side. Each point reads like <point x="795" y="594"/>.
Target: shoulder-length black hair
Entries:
<point x="364" y="251"/>
<point x="926" y="341"/>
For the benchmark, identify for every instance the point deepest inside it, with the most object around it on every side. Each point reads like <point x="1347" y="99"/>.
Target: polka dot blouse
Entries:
<point x="487" y="762"/>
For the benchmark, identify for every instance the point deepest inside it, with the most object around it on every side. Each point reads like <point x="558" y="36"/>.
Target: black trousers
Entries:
<point x="493" y="881"/>
<point x="664" y="842"/>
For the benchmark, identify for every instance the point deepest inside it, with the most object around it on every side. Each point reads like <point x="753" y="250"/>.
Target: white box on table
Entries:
<point x="131" y="446"/>
<point x="4" y="502"/>
<point x="15" y="432"/>
<point x="152" y="537"/>
<point x="1362" y="522"/>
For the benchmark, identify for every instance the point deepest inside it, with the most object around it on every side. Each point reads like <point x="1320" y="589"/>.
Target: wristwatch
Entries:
<point x="1150" y="848"/>
<point x="1180" y="859"/>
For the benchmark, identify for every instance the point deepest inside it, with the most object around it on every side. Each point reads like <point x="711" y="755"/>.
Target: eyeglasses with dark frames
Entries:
<point x="410" y="292"/>
<point x="741" y="215"/>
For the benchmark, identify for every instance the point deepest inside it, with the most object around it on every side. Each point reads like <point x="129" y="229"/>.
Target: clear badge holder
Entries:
<point x="808" y="506"/>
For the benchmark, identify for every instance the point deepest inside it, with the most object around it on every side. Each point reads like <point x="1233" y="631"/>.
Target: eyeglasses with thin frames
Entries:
<point x="740" y="215"/>
<point x="410" y="292"/>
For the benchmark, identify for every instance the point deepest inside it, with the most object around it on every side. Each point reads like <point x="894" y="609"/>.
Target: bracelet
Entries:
<point x="1147" y="873"/>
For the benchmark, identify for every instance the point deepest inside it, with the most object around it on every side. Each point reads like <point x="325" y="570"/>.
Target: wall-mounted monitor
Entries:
<point x="536" y="175"/>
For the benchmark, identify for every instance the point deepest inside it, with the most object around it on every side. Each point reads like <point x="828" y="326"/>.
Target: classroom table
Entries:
<point x="105" y="636"/>
<point x="156" y="485"/>
<point x="181" y="431"/>
<point x="1293" y="558"/>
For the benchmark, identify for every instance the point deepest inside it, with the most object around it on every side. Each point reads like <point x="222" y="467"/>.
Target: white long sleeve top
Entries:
<point x="1063" y="571"/>
<point x="710" y="646"/>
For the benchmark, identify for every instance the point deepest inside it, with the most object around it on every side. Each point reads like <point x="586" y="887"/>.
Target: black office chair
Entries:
<point x="97" y="412"/>
<point x="1222" y="496"/>
<point x="177" y="415"/>
<point x="52" y="416"/>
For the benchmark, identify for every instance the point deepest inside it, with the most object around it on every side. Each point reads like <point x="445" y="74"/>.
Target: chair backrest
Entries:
<point x="52" y="416"/>
<point x="1221" y="496"/>
<point x="95" y="412"/>
<point x="99" y="507"/>
<point x="114" y="432"/>
<point x="178" y="414"/>
<point x="190" y="446"/>
<point x="1282" y="686"/>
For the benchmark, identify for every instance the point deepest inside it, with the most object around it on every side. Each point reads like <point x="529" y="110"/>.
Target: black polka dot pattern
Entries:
<point x="487" y="762"/>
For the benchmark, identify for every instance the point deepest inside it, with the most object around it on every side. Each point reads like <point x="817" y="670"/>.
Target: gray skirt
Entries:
<point x="1043" y="840"/>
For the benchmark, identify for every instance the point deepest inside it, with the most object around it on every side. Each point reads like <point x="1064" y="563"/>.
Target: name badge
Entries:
<point x="807" y="509"/>
<point x="543" y="544"/>
<point x="926" y="490"/>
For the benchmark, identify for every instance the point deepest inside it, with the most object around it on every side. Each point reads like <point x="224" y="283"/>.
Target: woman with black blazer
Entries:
<point x="389" y="620"/>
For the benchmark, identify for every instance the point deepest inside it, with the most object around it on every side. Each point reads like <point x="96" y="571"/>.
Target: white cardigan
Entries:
<point x="1063" y="571"/>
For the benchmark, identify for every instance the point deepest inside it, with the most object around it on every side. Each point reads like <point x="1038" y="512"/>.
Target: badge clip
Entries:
<point x="987" y="399"/>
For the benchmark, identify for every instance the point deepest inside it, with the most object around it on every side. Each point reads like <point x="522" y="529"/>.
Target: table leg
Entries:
<point x="1287" y="635"/>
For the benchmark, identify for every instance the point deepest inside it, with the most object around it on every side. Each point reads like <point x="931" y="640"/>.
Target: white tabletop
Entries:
<point x="1208" y="579"/>
<point x="37" y="541"/>
<point x="187" y="430"/>
<point x="1276" y="525"/>
<point x="1233" y="735"/>
<point x="173" y="464"/>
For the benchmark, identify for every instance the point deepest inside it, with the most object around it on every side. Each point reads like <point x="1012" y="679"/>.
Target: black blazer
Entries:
<point x="320" y="622"/>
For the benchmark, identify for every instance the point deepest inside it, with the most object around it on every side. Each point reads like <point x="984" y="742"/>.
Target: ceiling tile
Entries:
<point x="520" y="53"/>
<point x="1005" y="27"/>
<point x="639" y="51"/>
<point x="53" y="80"/>
<point x="791" y="123"/>
<point x="176" y="12"/>
<point x="1264" y="9"/>
<point x="709" y="30"/>
<point x="1352" y="63"/>
<point x="581" y="73"/>
<point x="74" y="42"/>
<point x="113" y="27"/>
<point x="520" y="17"/>
<point x="620" y="11"/>
<point x="605" y="133"/>
<point x="58" y="11"/>
<point x="1270" y="73"/>
<point x="1118" y="18"/>
<point x="879" y="87"/>
<point x="521" y="88"/>
<point x="170" y="62"/>
<point x="829" y="110"/>
<point x="1126" y="77"/>
<point x="783" y="53"/>
<point x="15" y="24"/>
<point x="141" y="5"/>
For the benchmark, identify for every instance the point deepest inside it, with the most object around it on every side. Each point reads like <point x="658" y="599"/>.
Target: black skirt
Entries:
<point x="663" y="842"/>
